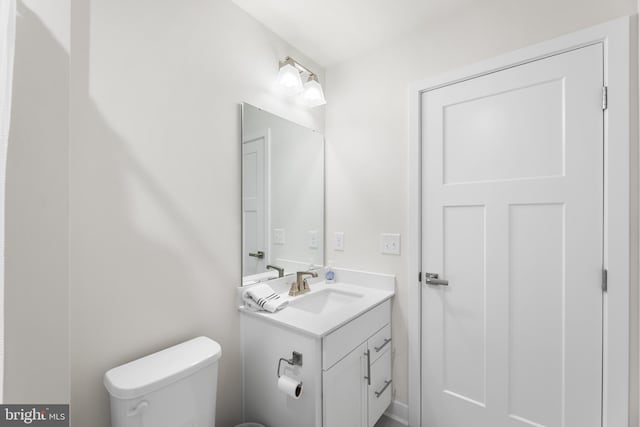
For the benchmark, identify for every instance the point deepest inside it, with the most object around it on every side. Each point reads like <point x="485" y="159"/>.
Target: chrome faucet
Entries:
<point x="280" y="270"/>
<point x="303" y="285"/>
<point x="300" y="286"/>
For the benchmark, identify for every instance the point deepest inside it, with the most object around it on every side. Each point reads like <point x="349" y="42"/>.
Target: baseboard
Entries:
<point x="399" y="412"/>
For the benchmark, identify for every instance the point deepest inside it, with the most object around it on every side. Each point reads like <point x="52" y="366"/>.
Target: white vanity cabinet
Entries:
<point x="346" y="373"/>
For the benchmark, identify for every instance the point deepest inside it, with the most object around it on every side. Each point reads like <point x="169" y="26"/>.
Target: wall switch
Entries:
<point x="313" y="239"/>
<point x="338" y="241"/>
<point x="390" y="243"/>
<point x="278" y="236"/>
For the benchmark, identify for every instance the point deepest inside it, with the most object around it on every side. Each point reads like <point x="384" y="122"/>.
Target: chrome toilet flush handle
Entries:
<point x="137" y="409"/>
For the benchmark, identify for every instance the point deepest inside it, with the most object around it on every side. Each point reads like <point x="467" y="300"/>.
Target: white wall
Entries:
<point x="297" y="193"/>
<point x="367" y="125"/>
<point x="36" y="294"/>
<point x="154" y="182"/>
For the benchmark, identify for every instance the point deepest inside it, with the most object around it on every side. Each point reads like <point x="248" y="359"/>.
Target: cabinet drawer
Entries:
<point x="380" y="342"/>
<point x="380" y="388"/>
<point x="340" y="342"/>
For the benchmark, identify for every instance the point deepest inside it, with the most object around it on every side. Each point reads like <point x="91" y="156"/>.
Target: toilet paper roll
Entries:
<point x="290" y="387"/>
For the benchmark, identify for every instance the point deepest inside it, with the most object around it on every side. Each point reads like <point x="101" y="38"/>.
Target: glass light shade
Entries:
<point x="289" y="80"/>
<point x="313" y="95"/>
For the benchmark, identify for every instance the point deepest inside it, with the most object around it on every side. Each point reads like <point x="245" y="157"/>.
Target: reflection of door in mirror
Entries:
<point x="254" y="203"/>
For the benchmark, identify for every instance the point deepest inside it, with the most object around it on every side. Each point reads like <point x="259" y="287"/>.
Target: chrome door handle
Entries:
<point x="432" y="279"/>
<point x="258" y="254"/>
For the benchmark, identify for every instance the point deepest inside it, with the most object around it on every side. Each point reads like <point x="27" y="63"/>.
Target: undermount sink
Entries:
<point x="324" y="301"/>
<point x="327" y="306"/>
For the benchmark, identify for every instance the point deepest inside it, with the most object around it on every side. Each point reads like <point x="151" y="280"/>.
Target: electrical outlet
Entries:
<point x="390" y="243"/>
<point x="278" y="236"/>
<point x="338" y="241"/>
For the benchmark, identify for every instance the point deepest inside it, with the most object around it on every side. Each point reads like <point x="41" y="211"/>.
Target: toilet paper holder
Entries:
<point x="296" y="360"/>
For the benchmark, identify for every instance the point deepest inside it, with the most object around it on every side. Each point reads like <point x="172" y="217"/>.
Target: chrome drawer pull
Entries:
<point x="368" y="377"/>
<point x="379" y="393"/>
<point x="386" y="341"/>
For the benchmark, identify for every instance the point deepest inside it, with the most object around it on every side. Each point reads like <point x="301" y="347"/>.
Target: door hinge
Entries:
<point x="420" y="277"/>
<point x="604" y="280"/>
<point x="605" y="97"/>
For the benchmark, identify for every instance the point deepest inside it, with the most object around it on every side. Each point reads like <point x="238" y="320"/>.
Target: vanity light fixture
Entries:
<point x="289" y="81"/>
<point x="313" y="95"/>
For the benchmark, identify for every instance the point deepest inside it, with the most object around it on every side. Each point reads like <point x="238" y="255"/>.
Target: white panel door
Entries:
<point x="254" y="204"/>
<point x="512" y="218"/>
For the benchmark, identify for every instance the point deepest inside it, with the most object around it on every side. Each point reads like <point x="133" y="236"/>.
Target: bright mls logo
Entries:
<point x="34" y="415"/>
<point x="27" y="417"/>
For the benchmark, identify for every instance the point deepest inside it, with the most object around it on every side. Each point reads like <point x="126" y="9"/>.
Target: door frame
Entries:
<point x="620" y="302"/>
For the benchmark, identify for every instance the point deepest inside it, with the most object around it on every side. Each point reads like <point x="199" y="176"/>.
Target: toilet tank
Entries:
<point x="175" y="387"/>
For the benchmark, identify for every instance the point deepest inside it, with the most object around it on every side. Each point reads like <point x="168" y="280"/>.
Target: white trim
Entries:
<point x="414" y="259"/>
<point x="620" y="213"/>
<point x="7" y="52"/>
<point x="634" y="200"/>
<point x="399" y="412"/>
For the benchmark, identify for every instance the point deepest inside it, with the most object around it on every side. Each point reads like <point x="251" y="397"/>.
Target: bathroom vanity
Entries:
<point x="343" y="332"/>
<point x="332" y="345"/>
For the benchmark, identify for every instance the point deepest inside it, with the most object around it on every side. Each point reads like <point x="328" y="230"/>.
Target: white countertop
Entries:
<point x="319" y="325"/>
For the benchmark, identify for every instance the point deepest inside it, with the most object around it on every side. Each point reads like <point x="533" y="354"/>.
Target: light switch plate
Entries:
<point x="338" y="241"/>
<point x="278" y="236"/>
<point x="313" y="239"/>
<point x="390" y="243"/>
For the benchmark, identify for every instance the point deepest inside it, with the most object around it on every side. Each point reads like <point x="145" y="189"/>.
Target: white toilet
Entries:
<point x="170" y="388"/>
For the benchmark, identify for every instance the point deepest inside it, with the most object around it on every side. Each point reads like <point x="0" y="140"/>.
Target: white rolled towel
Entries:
<point x="263" y="297"/>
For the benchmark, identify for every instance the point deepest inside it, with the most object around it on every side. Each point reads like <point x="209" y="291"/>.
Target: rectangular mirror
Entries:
<point x="282" y="196"/>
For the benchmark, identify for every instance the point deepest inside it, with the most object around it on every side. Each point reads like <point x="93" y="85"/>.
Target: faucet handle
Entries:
<point x="294" y="290"/>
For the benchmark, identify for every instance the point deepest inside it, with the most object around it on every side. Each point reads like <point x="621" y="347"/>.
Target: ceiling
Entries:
<point x="330" y="31"/>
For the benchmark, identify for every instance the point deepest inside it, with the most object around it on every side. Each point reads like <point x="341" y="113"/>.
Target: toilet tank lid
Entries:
<point x="152" y="372"/>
